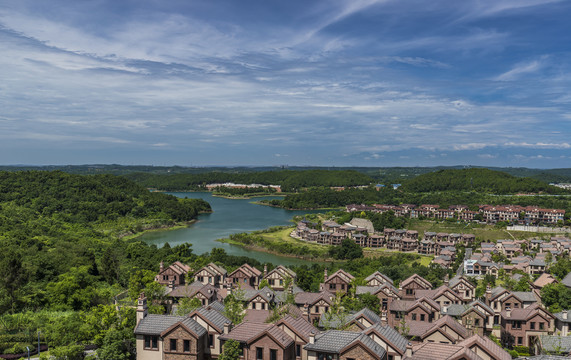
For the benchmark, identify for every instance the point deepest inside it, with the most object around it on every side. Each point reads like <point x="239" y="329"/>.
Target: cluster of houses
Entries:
<point x="413" y="321"/>
<point x="487" y="213"/>
<point x="544" y="252"/>
<point x="361" y="231"/>
<point x="230" y="185"/>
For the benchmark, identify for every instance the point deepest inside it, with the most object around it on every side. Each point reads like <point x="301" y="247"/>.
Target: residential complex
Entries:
<point x="414" y="320"/>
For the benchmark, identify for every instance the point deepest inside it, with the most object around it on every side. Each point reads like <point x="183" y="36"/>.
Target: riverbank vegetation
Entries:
<point x="278" y="240"/>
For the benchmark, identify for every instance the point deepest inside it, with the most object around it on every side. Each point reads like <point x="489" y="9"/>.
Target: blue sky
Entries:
<point x="329" y="83"/>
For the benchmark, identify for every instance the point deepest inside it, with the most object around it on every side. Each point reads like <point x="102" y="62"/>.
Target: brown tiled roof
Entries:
<point x="256" y="316"/>
<point x="342" y="274"/>
<point x="248" y="332"/>
<point x="311" y="298"/>
<point x="245" y="331"/>
<point x="299" y="325"/>
<point x="544" y="279"/>
<point x="523" y="313"/>
<point x="495" y="351"/>
<point x="250" y="270"/>
<point x="436" y="351"/>
<point x="419" y="279"/>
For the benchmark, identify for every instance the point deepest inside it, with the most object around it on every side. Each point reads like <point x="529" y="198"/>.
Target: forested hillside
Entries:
<point x="444" y="188"/>
<point x="51" y="222"/>
<point x="288" y="179"/>
<point x="481" y="180"/>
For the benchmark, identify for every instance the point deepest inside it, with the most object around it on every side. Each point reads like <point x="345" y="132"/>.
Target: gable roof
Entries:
<point x="436" y="351"/>
<point x="193" y="289"/>
<point x="447" y="321"/>
<point x="389" y="335"/>
<point x="336" y="341"/>
<point x="380" y="276"/>
<point x="525" y="313"/>
<point x="418" y="279"/>
<point x="189" y="324"/>
<point x="567" y="280"/>
<point x="248" y="270"/>
<point x="342" y="274"/>
<point x="283" y="271"/>
<point x="299" y="325"/>
<point x="311" y="298"/>
<point x="495" y="351"/>
<point x="211" y="316"/>
<point x="154" y="324"/>
<point x="213" y="269"/>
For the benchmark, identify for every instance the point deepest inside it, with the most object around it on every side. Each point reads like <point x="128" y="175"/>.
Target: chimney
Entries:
<point x="305" y="310"/>
<point x="488" y="294"/>
<point x="446" y="279"/>
<point x="226" y="328"/>
<point x="161" y="266"/>
<point x="229" y="288"/>
<point x="325" y="275"/>
<point x="408" y="351"/>
<point x="384" y="317"/>
<point x="312" y="338"/>
<point x="444" y="309"/>
<point x="564" y="314"/>
<point x="141" y="307"/>
<point x="265" y="270"/>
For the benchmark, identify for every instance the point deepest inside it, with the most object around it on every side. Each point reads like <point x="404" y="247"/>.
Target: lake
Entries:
<point x="230" y="216"/>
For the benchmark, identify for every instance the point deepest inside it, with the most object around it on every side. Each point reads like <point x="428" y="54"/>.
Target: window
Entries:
<point x="173" y="345"/>
<point x="477" y="322"/>
<point x="516" y="306"/>
<point x="541" y="326"/>
<point x="516" y="324"/>
<point x="210" y="340"/>
<point x="342" y="286"/>
<point x="508" y="306"/>
<point x="259" y="353"/>
<point x="422" y="317"/>
<point x="532" y="326"/>
<point x="409" y="291"/>
<point x="391" y="357"/>
<point x="151" y="342"/>
<point x="273" y="354"/>
<point x="263" y="306"/>
<point x="331" y="286"/>
<point x="519" y="340"/>
<point x="186" y="345"/>
<point x="298" y="350"/>
<point x="414" y="317"/>
<point x="281" y="282"/>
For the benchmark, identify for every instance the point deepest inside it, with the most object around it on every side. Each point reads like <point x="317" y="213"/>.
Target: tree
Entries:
<point x="187" y="305"/>
<point x="234" y="307"/>
<point x="348" y="250"/>
<point x="12" y="275"/>
<point x="118" y="345"/>
<point x="231" y="351"/>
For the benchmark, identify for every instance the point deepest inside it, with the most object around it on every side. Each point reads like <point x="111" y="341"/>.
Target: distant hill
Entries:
<point x="477" y="179"/>
<point x="387" y="175"/>
<point x="288" y="179"/>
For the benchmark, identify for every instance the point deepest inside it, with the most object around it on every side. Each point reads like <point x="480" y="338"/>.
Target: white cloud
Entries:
<point x="522" y="69"/>
<point x="539" y="145"/>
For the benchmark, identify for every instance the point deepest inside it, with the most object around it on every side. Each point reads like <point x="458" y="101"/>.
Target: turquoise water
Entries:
<point x="230" y="216"/>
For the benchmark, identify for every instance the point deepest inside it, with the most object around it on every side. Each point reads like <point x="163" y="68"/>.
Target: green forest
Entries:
<point x="288" y="179"/>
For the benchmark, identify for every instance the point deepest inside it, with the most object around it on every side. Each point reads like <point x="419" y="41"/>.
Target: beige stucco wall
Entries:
<point x="145" y="354"/>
